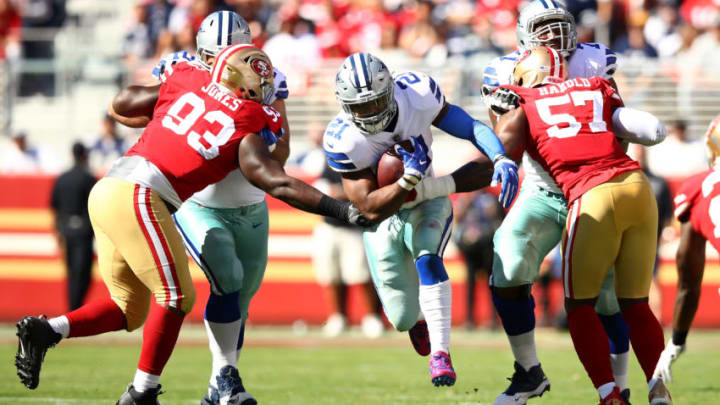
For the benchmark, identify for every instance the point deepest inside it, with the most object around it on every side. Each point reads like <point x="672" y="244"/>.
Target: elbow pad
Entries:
<point x="638" y="126"/>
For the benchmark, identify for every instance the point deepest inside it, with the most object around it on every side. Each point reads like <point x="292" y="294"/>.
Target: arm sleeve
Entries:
<point x="164" y="68"/>
<point x="638" y="126"/>
<point x="460" y="124"/>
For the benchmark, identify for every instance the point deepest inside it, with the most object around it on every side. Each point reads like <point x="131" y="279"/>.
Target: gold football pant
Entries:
<point x="614" y="223"/>
<point x="139" y="249"/>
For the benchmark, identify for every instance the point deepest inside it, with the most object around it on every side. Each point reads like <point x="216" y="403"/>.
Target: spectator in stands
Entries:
<point x="421" y="36"/>
<point x="661" y="29"/>
<point x="632" y="45"/>
<point x="258" y="14"/>
<point x="478" y="217"/>
<point x="41" y="14"/>
<point x="72" y="224"/>
<point x="10" y="24"/>
<point x="136" y="44"/>
<point x="108" y="147"/>
<point x="158" y="18"/>
<point x="677" y="156"/>
<point x="295" y="49"/>
<point x="19" y="157"/>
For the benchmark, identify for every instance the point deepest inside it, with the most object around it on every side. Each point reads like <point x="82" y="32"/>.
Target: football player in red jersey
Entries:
<point x="696" y="207"/>
<point x="201" y="129"/>
<point x="567" y="127"/>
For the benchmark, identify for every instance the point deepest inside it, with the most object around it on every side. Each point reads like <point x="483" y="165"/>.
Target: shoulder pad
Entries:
<point x="280" y="83"/>
<point x="498" y="72"/>
<point x="164" y="68"/>
<point x="345" y="147"/>
<point x="421" y="91"/>
<point x="253" y="117"/>
<point x="592" y="59"/>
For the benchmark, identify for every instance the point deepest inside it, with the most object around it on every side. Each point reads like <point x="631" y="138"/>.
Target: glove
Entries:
<point x="667" y="357"/>
<point x="416" y="163"/>
<point x="270" y="137"/>
<point x="355" y="217"/>
<point x="506" y="173"/>
<point x="503" y="100"/>
<point x="168" y="61"/>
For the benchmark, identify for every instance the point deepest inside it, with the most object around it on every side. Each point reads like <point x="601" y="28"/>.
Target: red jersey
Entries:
<point x="571" y="133"/>
<point x="195" y="131"/>
<point x="698" y="202"/>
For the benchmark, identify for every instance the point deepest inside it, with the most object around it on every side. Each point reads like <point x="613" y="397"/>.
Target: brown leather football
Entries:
<point x="391" y="168"/>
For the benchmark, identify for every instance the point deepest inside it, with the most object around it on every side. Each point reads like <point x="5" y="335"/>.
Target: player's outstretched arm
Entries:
<point x="690" y="266"/>
<point x="263" y="171"/>
<point x="455" y="121"/>
<point x="134" y="105"/>
<point x="638" y="126"/>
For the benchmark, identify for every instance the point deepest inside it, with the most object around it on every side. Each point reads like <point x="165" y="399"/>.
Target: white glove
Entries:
<point x="667" y="357"/>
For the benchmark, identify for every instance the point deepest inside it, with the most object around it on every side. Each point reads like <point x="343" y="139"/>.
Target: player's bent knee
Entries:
<point x="135" y="316"/>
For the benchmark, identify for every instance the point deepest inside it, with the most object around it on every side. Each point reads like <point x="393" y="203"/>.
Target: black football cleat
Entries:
<point x="35" y="337"/>
<point x="625" y="394"/>
<point x="523" y="386"/>
<point x="132" y="397"/>
<point x="230" y="388"/>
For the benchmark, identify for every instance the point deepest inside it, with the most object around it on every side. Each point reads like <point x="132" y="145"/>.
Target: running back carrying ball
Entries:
<point x="390" y="167"/>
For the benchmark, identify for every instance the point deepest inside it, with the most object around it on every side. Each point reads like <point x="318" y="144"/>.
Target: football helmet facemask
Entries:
<point x="540" y="66"/>
<point x="245" y="71"/>
<point x="546" y="23"/>
<point x="218" y="31"/>
<point x="712" y="141"/>
<point x="364" y="87"/>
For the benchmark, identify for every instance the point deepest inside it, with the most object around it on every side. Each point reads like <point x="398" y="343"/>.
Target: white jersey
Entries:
<point x="588" y="60"/>
<point x="419" y="100"/>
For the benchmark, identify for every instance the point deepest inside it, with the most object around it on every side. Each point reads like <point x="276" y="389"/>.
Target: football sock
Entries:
<point x="144" y="381"/>
<point x="159" y="337"/>
<point x="591" y="343"/>
<point x="518" y="320"/>
<point x="646" y="336"/>
<point x="605" y="389"/>
<point x="431" y="270"/>
<point x="619" y="363"/>
<point x="241" y="338"/>
<point x="435" y="303"/>
<point x="60" y="325"/>
<point x="619" y="339"/>
<point x="223" y="323"/>
<point x="523" y="348"/>
<point x="95" y="318"/>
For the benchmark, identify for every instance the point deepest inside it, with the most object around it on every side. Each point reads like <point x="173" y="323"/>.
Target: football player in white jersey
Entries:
<point x="405" y="248"/>
<point x="535" y="224"/>
<point x="225" y="226"/>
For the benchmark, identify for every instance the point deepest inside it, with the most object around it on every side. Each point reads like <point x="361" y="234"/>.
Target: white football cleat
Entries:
<point x="334" y="326"/>
<point x="372" y="326"/>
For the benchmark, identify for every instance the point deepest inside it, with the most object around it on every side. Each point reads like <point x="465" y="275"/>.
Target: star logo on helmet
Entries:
<point x="261" y="67"/>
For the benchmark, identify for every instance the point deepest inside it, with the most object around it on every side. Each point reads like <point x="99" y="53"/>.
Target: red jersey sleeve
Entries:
<point x="254" y="117"/>
<point x="687" y="196"/>
<point x="611" y="96"/>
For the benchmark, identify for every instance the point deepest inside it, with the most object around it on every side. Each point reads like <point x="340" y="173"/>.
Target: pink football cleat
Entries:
<point x="441" y="369"/>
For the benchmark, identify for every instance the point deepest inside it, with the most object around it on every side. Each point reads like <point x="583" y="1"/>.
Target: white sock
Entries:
<point x="605" y="389"/>
<point x="144" y="381"/>
<point x="222" y="338"/>
<point x="60" y="325"/>
<point x="523" y="348"/>
<point x="435" y="303"/>
<point x="620" y="368"/>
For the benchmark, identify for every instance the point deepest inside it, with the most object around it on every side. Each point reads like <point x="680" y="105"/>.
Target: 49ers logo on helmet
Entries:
<point x="261" y="67"/>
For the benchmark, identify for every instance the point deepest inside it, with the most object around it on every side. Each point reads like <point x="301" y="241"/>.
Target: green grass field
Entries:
<point x="281" y="367"/>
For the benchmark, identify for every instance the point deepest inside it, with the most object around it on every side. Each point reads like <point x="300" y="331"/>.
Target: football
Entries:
<point x="390" y="167"/>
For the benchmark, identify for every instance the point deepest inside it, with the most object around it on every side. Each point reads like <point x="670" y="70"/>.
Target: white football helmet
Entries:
<point x="364" y="87"/>
<point x="218" y="31"/>
<point x="546" y="23"/>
